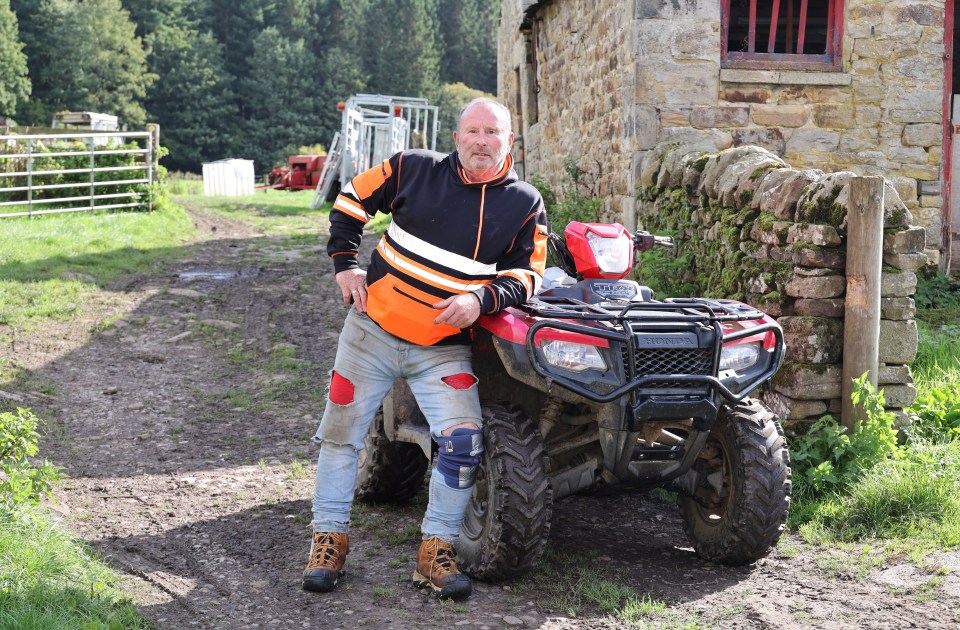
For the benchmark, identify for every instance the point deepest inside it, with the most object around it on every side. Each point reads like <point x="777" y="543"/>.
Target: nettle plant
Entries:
<point x="828" y="459"/>
<point x="22" y="481"/>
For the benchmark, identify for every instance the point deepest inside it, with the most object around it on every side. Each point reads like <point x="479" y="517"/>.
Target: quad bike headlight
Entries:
<point x="574" y="357"/>
<point x="612" y="254"/>
<point x="739" y="356"/>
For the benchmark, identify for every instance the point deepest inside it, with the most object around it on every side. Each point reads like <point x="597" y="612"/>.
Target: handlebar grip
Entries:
<point x="645" y="240"/>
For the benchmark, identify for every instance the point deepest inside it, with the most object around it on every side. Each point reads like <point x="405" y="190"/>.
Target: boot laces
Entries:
<point x="326" y="553"/>
<point x="444" y="559"/>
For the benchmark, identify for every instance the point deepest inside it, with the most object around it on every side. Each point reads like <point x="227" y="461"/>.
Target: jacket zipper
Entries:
<point x="415" y="299"/>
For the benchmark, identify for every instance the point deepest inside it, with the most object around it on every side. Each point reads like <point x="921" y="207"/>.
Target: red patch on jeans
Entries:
<point x="341" y="390"/>
<point x="460" y="381"/>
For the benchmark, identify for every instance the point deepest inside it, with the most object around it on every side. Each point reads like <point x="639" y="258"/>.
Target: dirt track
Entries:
<point x="185" y="428"/>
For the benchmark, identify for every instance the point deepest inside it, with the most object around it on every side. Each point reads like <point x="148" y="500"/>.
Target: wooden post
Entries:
<point x="861" y="322"/>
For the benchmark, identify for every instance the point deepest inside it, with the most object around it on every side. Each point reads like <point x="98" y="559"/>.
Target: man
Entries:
<point x="467" y="238"/>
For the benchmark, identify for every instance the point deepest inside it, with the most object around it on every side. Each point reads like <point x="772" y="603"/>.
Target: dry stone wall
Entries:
<point x="756" y="229"/>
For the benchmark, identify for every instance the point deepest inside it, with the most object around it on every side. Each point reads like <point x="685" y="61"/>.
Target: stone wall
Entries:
<point x="616" y="78"/>
<point x="775" y="236"/>
<point x="582" y="64"/>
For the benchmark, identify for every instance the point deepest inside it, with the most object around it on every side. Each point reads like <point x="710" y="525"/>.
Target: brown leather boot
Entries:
<point x="437" y="568"/>
<point x="327" y="555"/>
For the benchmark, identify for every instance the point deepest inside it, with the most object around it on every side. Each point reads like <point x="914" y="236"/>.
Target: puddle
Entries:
<point x="190" y="276"/>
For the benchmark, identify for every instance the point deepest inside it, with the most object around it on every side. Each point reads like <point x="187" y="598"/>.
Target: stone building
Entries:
<point x="605" y="81"/>
<point x="701" y="103"/>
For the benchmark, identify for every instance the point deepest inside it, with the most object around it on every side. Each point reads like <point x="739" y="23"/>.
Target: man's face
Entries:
<point x="483" y="140"/>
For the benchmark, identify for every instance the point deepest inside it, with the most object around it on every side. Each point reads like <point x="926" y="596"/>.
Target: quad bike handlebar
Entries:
<point x="643" y="241"/>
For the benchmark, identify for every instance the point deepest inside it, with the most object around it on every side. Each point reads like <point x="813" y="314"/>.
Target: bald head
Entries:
<point x="500" y="110"/>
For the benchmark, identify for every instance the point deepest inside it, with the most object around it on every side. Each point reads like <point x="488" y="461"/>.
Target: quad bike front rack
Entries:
<point x="675" y="313"/>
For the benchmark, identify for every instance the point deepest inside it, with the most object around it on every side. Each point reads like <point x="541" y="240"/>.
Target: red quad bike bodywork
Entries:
<point x="593" y="381"/>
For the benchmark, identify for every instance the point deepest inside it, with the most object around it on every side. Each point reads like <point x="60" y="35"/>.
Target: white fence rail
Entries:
<point x="32" y="184"/>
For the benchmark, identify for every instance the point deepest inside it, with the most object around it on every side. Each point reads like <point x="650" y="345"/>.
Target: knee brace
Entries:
<point x="459" y="457"/>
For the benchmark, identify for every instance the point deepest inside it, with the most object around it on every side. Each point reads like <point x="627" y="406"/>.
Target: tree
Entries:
<point x="150" y="15"/>
<point x="468" y="29"/>
<point x="280" y="93"/>
<point x="86" y="56"/>
<point x="401" y="48"/>
<point x="337" y="46"/>
<point x="297" y="19"/>
<point x="236" y="25"/>
<point x="14" y="81"/>
<point x="191" y="101"/>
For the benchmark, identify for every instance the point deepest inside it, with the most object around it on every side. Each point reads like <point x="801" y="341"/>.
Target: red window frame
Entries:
<point x="831" y="58"/>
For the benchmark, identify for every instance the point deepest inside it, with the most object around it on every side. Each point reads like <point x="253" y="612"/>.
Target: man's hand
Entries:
<point x="353" y="286"/>
<point x="460" y="311"/>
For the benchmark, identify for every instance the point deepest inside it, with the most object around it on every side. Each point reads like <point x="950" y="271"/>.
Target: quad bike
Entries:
<point x="595" y="382"/>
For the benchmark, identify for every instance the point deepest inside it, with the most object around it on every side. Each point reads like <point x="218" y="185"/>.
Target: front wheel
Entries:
<point x="507" y="523"/>
<point x="739" y="509"/>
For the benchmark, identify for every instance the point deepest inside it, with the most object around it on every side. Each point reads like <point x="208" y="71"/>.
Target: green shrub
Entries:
<point x="935" y="415"/>
<point x="20" y="480"/>
<point x="936" y="290"/>
<point x="667" y="273"/>
<point x="828" y="460"/>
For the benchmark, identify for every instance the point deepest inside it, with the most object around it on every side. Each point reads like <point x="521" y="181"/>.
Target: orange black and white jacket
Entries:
<point x="448" y="236"/>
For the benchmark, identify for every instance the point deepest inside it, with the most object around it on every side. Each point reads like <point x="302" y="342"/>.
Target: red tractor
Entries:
<point x="302" y="172"/>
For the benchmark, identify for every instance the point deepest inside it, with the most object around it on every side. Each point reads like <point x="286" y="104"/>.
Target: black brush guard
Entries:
<point x="671" y="315"/>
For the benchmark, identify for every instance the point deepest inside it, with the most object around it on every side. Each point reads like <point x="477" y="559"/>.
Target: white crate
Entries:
<point x="228" y="178"/>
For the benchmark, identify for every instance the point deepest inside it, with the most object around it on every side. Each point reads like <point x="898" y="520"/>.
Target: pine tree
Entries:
<point x="236" y="25"/>
<point x="401" y="48"/>
<point x="281" y="97"/>
<point x="14" y="82"/>
<point x="469" y="32"/>
<point x="192" y="100"/>
<point x="86" y="56"/>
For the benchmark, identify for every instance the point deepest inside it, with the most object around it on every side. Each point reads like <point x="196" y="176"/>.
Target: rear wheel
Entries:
<point x="739" y="509"/>
<point x="507" y="523"/>
<point x="389" y="472"/>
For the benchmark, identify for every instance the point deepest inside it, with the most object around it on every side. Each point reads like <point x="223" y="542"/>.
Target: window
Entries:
<point x="782" y="34"/>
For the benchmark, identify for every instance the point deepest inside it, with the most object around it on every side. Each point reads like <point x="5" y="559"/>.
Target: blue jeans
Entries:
<point x="368" y="362"/>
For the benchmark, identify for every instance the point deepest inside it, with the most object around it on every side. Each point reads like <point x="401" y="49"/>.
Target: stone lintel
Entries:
<point x="784" y="77"/>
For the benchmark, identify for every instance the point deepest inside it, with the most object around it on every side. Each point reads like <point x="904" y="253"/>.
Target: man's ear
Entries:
<point x="455" y="140"/>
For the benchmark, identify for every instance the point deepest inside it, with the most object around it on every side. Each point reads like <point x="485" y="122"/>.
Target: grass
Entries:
<point x="273" y="212"/>
<point x="48" y="579"/>
<point x="574" y="589"/>
<point x="49" y="266"/>
<point x="937" y="366"/>
<point x="915" y="498"/>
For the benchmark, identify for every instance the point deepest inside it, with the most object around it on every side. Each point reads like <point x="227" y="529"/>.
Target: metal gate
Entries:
<point x="373" y="128"/>
<point x="75" y="172"/>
